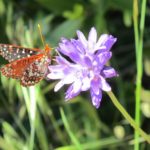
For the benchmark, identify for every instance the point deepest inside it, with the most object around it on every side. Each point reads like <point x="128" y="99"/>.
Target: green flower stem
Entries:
<point x="128" y="117"/>
<point x="138" y="34"/>
<point x="135" y="23"/>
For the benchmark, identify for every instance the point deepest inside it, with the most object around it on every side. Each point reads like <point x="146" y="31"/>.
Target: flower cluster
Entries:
<point x="86" y="67"/>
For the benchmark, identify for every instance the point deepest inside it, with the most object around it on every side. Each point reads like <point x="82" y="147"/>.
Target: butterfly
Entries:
<point x="28" y="65"/>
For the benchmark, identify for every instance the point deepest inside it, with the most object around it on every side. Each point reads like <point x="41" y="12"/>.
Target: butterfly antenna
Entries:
<point x="42" y="38"/>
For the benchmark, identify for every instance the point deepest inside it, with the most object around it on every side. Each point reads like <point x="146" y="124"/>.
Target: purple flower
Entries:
<point x="86" y="68"/>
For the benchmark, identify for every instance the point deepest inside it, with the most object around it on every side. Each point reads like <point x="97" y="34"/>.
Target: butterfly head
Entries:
<point x="47" y="50"/>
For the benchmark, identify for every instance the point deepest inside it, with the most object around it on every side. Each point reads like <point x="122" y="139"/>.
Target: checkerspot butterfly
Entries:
<point x="27" y="65"/>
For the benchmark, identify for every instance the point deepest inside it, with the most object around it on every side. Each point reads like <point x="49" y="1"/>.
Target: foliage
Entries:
<point x="36" y="117"/>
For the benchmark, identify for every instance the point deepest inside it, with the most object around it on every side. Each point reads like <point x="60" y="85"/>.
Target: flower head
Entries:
<point x="87" y="68"/>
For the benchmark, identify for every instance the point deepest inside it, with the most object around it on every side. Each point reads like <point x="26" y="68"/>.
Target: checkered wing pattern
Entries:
<point x="25" y="64"/>
<point x="12" y="52"/>
<point x="35" y="72"/>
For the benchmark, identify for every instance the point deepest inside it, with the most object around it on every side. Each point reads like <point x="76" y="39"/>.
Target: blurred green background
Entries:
<point x="36" y="117"/>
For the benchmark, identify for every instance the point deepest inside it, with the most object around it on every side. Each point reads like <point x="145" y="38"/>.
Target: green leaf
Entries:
<point x="121" y="4"/>
<point x="72" y="136"/>
<point x="67" y="29"/>
<point x="2" y="8"/>
<point x="127" y="17"/>
<point x="76" y="13"/>
<point x="8" y="129"/>
<point x="58" y="6"/>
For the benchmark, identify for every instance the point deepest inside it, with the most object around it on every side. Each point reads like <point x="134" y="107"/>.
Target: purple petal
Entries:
<point x="104" y="85"/>
<point x="96" y="99"/>
<point x="109" y="72"/>
<point x="104" y="57"/>
<point x="67" y="48"/>
<point x="73" y="90"/>
<point x="70" y="50"/>
<point x="85" y="84"/>
<point x="54" y="76"/>
<point x="106" y="40"/>
<point x="56" y="72"/>
<point x="62" y="61"/>
<point x="63" y="46"/>
<point x="97" y="67"/>
<point x="82" y="39"/>
<point x="87" y="62"/>
<point x="55" y="68"/>
<point x="92" y="38"/>
<point x="58" y="85"/>
<point x="78" y="46"/>
<point x="99" y="49"/>
<point x="66" y="80"/>
<point x="63" y="40"/>
<point x="69" y="78"/>
<point x="95" y="86"/>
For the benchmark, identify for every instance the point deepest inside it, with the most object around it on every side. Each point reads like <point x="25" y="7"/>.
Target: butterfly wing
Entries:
<point x="35" y="72"/>
<point x="16" y="68"/>
<point x="27" y="65"/>
<point x="12" y="52"/>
